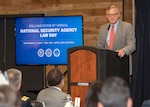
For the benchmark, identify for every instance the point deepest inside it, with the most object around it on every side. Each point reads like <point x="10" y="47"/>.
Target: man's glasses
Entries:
<point x="112" y="15"/>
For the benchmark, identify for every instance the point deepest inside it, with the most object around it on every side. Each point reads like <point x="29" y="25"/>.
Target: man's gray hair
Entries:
<point x="112" y="7"/>
<point x="14" y="76"/>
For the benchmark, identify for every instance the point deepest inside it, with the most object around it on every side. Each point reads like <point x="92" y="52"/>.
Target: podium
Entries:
<point x="87" y="64"/>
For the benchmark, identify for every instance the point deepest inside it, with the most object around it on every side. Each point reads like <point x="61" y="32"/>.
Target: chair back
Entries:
<point x="36" y="103"/>
<point x="146" y="103"/>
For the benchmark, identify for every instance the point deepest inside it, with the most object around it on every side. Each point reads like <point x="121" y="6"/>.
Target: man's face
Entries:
<point x="112" y="15"/>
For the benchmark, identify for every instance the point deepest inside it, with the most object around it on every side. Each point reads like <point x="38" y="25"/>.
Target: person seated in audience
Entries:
<point x="91" y="98"/>
<point x="15" y="79"/>
<point x="53" y="95"/>
<point x="6" y="105"/>
<point x="9" y="96"/>
<point x="114" y="92"/>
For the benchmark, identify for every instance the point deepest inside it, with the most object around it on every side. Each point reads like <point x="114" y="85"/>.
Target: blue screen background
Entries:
<point x="45" y="40"/>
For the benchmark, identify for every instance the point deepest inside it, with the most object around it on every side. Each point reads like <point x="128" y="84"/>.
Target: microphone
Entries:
<point x="107" y="33"/>
<point x="108" y="27"/>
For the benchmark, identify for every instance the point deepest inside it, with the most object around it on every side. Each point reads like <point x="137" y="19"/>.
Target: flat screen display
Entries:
<point x="45" y="40"/>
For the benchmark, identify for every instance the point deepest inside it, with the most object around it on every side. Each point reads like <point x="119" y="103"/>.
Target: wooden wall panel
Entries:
<point x="5" y="2"/>
<point x="86" y="1"/>
<point x="20" y="2"/>
<point x="128" y="12"/>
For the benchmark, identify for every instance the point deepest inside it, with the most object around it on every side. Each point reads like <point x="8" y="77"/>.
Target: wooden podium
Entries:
<point x="87" y="64"/>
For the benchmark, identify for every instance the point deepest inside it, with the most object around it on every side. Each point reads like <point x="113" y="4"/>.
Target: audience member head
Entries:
<point x="15" y="77"/>
<point x="9" y="95"/>
<point x="115" y="92"/>
<point x="55" y="78"/>
<point x="91" y="99"/>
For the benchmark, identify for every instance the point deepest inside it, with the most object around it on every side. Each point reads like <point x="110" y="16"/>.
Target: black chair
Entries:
<point x="36" y="103"/>
<point x="146" y="103"/>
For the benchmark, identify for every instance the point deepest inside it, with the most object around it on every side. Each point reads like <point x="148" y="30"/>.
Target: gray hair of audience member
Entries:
<point x="14" y="76"/>
<point x="9" y="95"/>
<point x="91" y="98"/>
<point x="115" y="92"/>
<point x="54" y="77"/>
<point x="2" y="104"/>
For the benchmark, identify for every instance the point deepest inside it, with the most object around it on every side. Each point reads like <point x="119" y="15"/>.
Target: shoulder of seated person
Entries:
<point x="25" y="98"/>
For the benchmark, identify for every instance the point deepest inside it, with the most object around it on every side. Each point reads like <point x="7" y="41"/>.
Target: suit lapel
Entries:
<point x="117" y="34"/>
<point x="106" y="33"/>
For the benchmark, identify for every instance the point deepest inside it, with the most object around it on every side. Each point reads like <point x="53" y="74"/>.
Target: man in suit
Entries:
<point x="124" y="35"/>
<point x="53" y="95"/>
<point x="15" y="80"/>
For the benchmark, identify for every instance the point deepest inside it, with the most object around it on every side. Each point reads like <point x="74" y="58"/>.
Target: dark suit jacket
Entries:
<point x="25" y="102"/>
<point x="52" y="97"/>
<point x="124" y="37"/>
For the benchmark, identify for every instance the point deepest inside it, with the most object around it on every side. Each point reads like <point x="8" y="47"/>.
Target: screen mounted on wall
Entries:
<point x="45" y="40"/>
